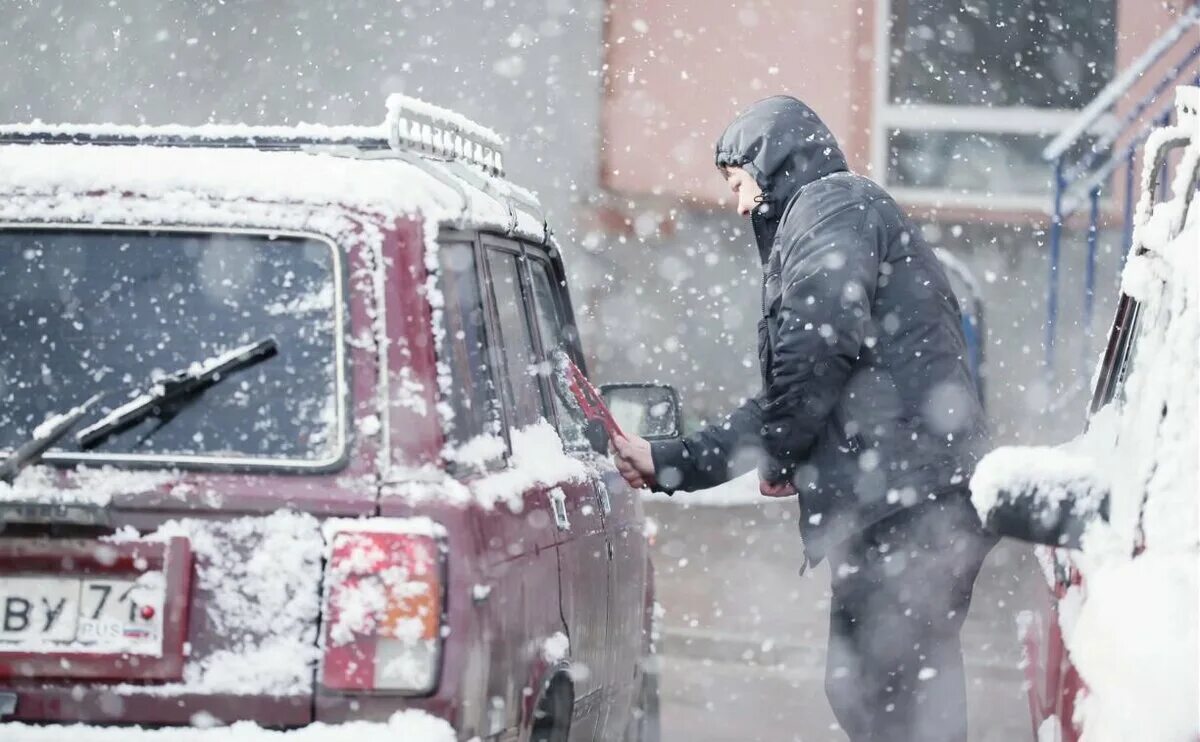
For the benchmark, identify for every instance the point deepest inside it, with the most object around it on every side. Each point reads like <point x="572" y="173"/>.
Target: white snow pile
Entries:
<point x="400" y="106"/>
<point x="556" y="648"/>
<point x="1131" y="627"/>
<point x="1135" y="640"/>
<point x="1134" y="643"/>
<point x="46" y="182"/>
<point x="538" y="460"/>
<point x="477" y="453"/>
<point x="83" y="485"/>
<point x="1054" y="473"/>
<point x="258" y="579"/>
<point x="403" y="726"/>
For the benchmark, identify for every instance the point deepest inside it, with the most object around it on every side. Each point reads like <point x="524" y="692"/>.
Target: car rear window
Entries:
<point x="86" y="311"/>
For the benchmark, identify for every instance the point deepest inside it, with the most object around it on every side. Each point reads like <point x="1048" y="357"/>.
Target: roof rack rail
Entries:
<point x="416" y="124"/>
<point x="208" y="135"/>
<point x="411" y="124"/>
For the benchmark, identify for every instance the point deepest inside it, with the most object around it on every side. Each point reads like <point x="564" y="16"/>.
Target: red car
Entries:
<point x="286" y="439"/>
<point x="1114" y="653"/>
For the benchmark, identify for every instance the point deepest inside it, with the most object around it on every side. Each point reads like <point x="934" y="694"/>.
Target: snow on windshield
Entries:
<point x="117" y="310"/>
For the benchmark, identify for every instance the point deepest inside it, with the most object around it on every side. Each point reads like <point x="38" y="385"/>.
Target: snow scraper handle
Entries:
<point x="590" y="400"/>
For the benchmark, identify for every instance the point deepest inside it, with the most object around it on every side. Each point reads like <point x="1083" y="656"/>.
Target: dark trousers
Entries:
<point x="901" y="590"/>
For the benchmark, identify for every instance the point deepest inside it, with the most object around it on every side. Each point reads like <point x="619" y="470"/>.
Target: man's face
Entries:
<point x="745" y="189"/>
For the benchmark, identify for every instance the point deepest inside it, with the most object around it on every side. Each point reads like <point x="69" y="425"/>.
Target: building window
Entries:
<point x="973" y="90"/>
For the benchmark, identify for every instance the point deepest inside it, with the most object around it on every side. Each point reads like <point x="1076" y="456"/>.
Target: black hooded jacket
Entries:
<point x="867" y="404"/>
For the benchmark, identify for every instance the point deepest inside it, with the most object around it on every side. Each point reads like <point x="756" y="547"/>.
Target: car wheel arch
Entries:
<point x="555" y="697"/>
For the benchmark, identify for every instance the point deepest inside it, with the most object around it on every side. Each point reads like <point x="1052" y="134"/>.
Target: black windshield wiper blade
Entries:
<point x="167" y="395"/>
<point x="50" y="432"/>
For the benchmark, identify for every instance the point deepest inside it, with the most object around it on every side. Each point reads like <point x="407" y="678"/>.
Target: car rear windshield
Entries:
<point x="86" y="311"/>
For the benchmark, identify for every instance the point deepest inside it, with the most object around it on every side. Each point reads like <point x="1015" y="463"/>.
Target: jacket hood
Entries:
<point x="785" y="146"/>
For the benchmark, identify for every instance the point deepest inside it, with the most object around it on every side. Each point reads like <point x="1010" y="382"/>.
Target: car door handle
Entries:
<point x="558" y="506"/>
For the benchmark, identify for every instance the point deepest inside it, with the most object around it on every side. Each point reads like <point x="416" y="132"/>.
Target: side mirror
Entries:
<point x="1018" y="497"/>
<point x="651" y="411"/>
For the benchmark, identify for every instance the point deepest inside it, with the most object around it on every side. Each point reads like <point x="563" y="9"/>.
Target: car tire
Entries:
<point x="645" y="725"/>
<point x="552" y="719"/>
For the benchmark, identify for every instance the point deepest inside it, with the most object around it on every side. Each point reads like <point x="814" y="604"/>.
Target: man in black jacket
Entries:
<point x="867" y="411"/>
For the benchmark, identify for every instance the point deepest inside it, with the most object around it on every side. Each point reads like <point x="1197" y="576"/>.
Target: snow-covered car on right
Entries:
<point x="1114" y="654"/>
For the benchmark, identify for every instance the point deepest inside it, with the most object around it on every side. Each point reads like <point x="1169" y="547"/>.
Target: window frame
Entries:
<point x="338" y="460"/>
<point x="562" y="301"/>
<point x="525" y="252"/>
<point x="454" y="237"/>
<point x="917" y="117"/>
<point x="517" y="249"/>
<point x="1118" y="353"/>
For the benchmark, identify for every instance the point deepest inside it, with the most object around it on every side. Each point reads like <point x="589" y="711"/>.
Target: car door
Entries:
<point x="512" y="565"/>
<point x="619" y="505"/>
<point x="577" y="521"/>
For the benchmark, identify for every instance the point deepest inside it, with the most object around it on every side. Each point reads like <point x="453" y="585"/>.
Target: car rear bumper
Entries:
<point x="404" y="726"/>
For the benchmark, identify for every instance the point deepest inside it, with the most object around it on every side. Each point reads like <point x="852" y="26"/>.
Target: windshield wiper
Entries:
<point x="50" y="432"/>
<point x="169" y="395"/>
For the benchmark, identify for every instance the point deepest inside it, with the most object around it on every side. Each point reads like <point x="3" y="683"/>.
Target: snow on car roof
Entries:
<point x="422" y="161"/>
<point x="389" y="186"/>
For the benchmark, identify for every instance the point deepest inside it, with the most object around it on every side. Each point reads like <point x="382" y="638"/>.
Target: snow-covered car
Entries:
<point x="1113" y="655"/>
<point x="285" y="443"/>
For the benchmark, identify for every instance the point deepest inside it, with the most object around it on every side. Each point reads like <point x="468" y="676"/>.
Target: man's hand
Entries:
<point x="782" y="489"/>
<point x="633" y="460"/>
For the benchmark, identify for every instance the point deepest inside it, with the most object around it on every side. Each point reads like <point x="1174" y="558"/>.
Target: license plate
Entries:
<point x="104" y="615"/>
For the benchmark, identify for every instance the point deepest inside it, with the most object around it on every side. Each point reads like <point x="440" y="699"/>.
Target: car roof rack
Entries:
<point x="415" y="124"/>
<point x="411" y="125"/>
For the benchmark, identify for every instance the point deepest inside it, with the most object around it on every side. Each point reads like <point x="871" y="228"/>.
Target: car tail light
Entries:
<point x="383" y="612"/>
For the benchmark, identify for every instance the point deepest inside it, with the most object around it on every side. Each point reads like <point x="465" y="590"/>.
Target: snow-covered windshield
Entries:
<point x="83" y="311"/>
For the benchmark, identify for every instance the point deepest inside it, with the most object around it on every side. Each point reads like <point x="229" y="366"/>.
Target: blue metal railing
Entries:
<point x="1082" y="170"/>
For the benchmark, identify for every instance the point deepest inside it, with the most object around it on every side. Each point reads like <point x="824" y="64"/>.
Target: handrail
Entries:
<point x="1072" y="202"/>
<point x="1108" y="97"/>
<point x="1102" y="145"/>
<point x="1080" y="178"/>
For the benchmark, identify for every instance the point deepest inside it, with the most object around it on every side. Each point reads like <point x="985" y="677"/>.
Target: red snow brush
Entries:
<point x="589" y="399"/>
